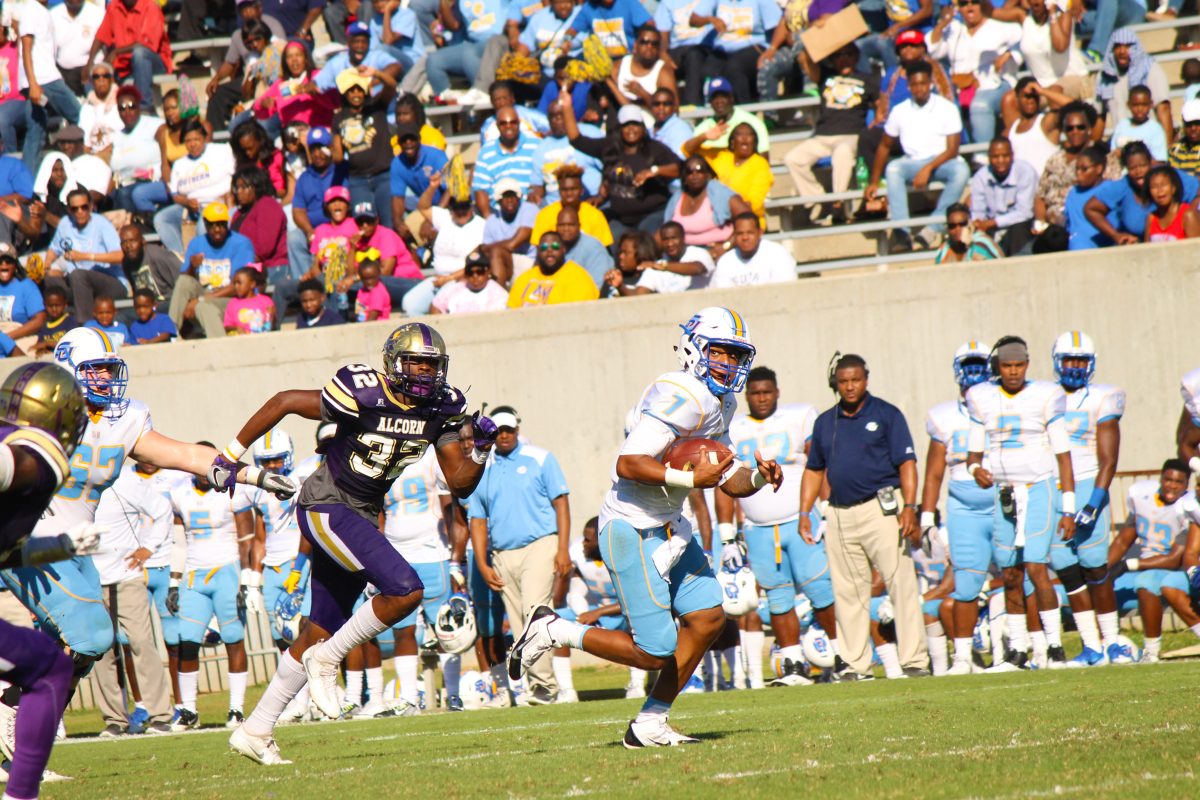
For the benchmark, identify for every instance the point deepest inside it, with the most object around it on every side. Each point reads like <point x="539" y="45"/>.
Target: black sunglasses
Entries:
<point x="952" y="225"/>
<point x="1075" y="127"/>
<point x="126" y="106"/>
<point x="83" y="207"/>
<point x="654" y="42"/>
<point x="657" y="103"/>
<point x="476" y="270"/>
<point x="965" y="3"/>
<point x="550" y="246"/>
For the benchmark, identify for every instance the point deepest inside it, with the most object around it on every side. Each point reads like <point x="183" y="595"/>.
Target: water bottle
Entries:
<point x="862" y="175"/>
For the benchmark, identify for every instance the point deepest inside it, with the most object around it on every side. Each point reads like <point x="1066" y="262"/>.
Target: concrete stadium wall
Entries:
<point x="574" y="371"/>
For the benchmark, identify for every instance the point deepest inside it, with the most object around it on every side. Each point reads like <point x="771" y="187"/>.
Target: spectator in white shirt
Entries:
<point x="680" y="267"/>
<point x="929" y="130"/>
<point x="203" y="176"/>
<point x="75" y="25"/>
<point x="753" y="261"/>
<point x="474" y="293"/>
<point x="39" y="79"/>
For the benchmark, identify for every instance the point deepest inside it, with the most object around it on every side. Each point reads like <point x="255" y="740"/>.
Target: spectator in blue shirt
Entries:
<point x="546" y="33"/>
<point x="476" y="22"/>
<point x="510" y="156"/>
<point x="521" y="515"/>
<point x="1117" y="209"/>
<point x="668" y="127"/>
<point x="359" y="53"/>
<point x="22" y="312"/>
<point x="104" y="318"/>
<point x="1002" y="196"/>
<point x="411" y="169"/>
<point x="86" y="251"/>
<point x="149" y="326"/>
<point x="296" y="16"/>
<point x="555" y="150"/>
<point x="1089" y="173"/>
<point x="579" y="90"/>
<point x="741" y="36"/>
<point x="314" y="313"/>
<point x="8" y="348"/>
<point x="399" y="37"/>
<point x="206" y="284"/>
<point x="613" y="22"/>
<point x="16" y="188"/>
<point x="308" y="201"/>
<point x="687" y="45"/>
<point x="506" y="233"/>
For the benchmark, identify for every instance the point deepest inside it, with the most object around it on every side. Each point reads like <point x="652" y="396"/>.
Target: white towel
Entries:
<point x="1021" y="502"/>
<point x="669" y="552"/>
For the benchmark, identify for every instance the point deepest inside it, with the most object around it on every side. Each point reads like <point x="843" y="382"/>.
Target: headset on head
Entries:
<point x="994" y="358"/>
<point x="834" y="365"/>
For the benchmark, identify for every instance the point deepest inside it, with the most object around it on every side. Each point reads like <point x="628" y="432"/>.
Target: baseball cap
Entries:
<point x="910" y="36"/>
<point x="358" y="29"/>
<point x="337" y="193"/>
<point x="365" y="209"/>
<point x="407" y="130"/>
<point x="320" y="137"/>
<point x="505" y="185"/>
<point x="69" y="133"/>
<point x="717" y="85"/>
<point x="477" y="259"/>
<point x="351" y="77"/>
<point x="216" y="212"/>
<point x="8" y="252"/>
<point x="630" y="114"/>
<point x="506" y="419"/>
<point x="241" y="3"/>
<point x="1191" y="110"/>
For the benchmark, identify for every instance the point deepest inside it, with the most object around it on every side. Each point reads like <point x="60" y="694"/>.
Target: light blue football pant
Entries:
<point x="65" y="599"/>
<point x="1089" y="546"/>
<point x="784" y="564"/>
<point x="1041" y="526"/>
<point x="646" y="598"/>
<point x="205" y="594"/>
<point x="610" y="622"/>
<point x="158" y="582"/>
<point x="969" y="523"/>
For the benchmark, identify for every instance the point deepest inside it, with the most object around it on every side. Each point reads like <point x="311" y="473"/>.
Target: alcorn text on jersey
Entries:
<point x="782" y="437"/>
<point x="1016" y="430"/>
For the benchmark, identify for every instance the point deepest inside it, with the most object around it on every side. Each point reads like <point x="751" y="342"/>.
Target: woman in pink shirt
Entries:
<point x="294" y="97"/>
<point x="12" y="104"/>
<point x="250" y="311"/>
<point x="372" y="302"/>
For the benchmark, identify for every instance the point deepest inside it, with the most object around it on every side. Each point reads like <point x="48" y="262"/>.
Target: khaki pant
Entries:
<point x="856" y="539"/>
<point x="13" y="612"/>
<point x="528" y="575"/>
<point x="132" y="612"/>
<point x="801" y="158"/>
<point x="210" y="311"/>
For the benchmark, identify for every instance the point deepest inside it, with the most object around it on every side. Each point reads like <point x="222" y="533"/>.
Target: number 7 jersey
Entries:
<point x="1016" y="428"/>
<point x="378" y="435"/>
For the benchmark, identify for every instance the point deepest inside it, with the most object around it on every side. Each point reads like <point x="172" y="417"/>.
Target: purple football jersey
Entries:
<point x="21" y="510"/>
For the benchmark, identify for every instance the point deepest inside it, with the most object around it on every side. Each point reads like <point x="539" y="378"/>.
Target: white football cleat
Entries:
<point x="374" y="708"/>
<point x="8" y="731"/>
<point x="634" y="691"/>
<point x="655" y="733"/>
<point x="1149" y="658"/>
<point x="961" y="668"/>
<point x="322" y="683"/>
<point x="534" y="641"/>
<point x="566" y="696"/>
<point x="261" y="749"/>
<point x="293" y="713"/>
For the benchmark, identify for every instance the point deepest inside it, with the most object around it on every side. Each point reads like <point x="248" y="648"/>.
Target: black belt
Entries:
<point x="866" y="499"/>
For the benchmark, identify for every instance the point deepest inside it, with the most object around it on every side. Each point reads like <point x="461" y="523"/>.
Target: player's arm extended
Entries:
<point x="746" y="482"/>
<point x="301" y="402"/>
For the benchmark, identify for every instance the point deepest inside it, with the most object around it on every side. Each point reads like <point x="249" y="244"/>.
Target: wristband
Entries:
<point x="757" y="479"/>
<point x="479" y="456"/>
<point x="253" y="476"/>
<point x="728" y="532"/>
<point x="173" y="583"/>
<point x="235" y="450"/>
<point x="913" y="506"/>
<point x="1194" y="463"/>
<point x="300" y="563"/>
<point x="1068" y="502"/>
<point x="1132" y="564"/>
<point x="678" y="478"/>
<point x="971" y="470"/>
<point x="927" y="519"/>
<point x="1099" y="498"/>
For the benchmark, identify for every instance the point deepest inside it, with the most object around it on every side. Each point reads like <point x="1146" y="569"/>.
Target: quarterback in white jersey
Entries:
<point x="783" y="563"/>
<point x="66" y="597"/>
<point x="1092" y="416"/>
<point x="215" y="525"/>
<point x="1164" y="521"/>
<point x="1019" y="423"/>
<point x="646" y="545"/>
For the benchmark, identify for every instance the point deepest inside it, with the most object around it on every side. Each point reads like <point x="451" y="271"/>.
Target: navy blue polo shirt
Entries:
<point x="860" y="454"/>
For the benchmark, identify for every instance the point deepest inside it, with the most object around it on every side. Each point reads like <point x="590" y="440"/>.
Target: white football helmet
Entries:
<point x="720" y="326"/>
<point x="818" y="650"/>
<point x="285" y="628"/>
<point x="93" y="358"/>
<point x="1134" y="650"/>
<point x="739" y="593"/>
<point x="274" y="445"/>
<point x="475" y="689"/>
<point x="971" y="364"/>
<point x="455" y="625"/>
<point x="1073" y="344"/>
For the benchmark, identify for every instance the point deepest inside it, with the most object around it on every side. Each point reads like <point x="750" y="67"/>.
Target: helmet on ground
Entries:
<point x="92" y="357"/>
<point x="406" y="349"/>
<point x="1073" y="345"/>
<point x="47" y="397"/>
<point x="273" y="446"/>
<point x="818" y="650"/>
<point x="739" y="593"/>
<point x="724" y="328"/>
<point x="455" y="624"/>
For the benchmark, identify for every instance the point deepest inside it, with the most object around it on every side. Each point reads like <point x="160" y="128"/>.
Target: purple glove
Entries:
<point x="223" y="473"/>
<point x="483" y="430"/>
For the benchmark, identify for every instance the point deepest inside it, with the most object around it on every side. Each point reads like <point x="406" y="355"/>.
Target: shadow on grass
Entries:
<point x="703" y="736"/>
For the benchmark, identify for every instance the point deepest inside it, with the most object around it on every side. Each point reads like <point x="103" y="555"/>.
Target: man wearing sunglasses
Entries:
<point x="668" y="128"/>
<point x="552" y="279"/>
<point x="85" y="254"/>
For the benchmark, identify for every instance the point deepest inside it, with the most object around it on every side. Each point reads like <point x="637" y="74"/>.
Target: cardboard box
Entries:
<point x="839" y="30"/>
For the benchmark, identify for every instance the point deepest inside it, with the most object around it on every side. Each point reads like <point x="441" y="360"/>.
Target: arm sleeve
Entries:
<point x="1112" y="406"/>
<point x="649" y="437"/>
<point x="553" y="478"/>
<point x="900" y="439"/>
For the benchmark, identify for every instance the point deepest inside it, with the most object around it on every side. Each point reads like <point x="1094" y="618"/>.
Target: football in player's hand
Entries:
<point x="685" y="453"/>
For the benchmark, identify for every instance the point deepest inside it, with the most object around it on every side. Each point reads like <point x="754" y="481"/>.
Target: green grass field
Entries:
<point x="1108" y="732"/>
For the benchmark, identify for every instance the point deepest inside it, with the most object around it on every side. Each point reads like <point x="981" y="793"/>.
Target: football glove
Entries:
<point x="252" y="586"/>
<point x="172" y="601"/>
<point x="223" y="473"/>
<point x="887" y="612"/>
<point x="456" y="573"/>
<point x="733" y="555"/>
<point x="282" y="486"/>
<point x="1086" y="517"/>
<point x="292" y="581"/>
<point x="483" y="431"/>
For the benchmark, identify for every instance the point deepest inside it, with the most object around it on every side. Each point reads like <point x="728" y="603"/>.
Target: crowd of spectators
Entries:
<point x="300" y="181"/>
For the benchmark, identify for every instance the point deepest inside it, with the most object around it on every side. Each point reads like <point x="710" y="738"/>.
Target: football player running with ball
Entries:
<point x="385" y="422"/>
<point x="660" y="571"/>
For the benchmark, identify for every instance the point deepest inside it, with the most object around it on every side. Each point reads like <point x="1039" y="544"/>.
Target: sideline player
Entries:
<point x="386" y="420"/>
<point x="42" y="418"/>
<point x="969" y="507"/>
<point x="1093" y="421"/>
<point x="783" y="563"/>
<point x="1164" y="521"/>
<point x="660" y="570"/>
<point x="1019" y="424"/>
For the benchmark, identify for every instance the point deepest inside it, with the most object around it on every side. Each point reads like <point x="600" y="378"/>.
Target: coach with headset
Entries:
<point x="863" y="447"/>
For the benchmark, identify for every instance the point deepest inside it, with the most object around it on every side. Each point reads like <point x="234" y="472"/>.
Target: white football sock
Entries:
<point x="289" y="680"/>
<point x="354" y="687"/>
<point x="566" y="633"/>
<point x="652" y="710"/>
<point x="1018" y="632"/>
<point x="1052" y="626"/>
<point x="406" y="675"/>
<point x="637" y="677"/>
<point x="962" y="649"/>
<point x="1110" y="627"/>
<point x="752" y="653"/>
<point x="939" y="659"/>
<point x="375" y="683"/>
<point x="1152" y="645"/>
<point x="890" y="659"/>
<point x="833" y="642"/>
<point x="793" y="652"/>
<point x="451" y="664"/>
<point x="1085" y="623"/>
<point x="361" y="627"/>
<point x="562" y="673"/>
<point x="1039" y="645"/>
<point x="187" y="689"/>
<point x="734" y="665"/>
<point x="237" y="690"/>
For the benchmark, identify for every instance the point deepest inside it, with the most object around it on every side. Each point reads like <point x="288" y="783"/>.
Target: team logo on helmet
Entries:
<point x="92" y="357"/>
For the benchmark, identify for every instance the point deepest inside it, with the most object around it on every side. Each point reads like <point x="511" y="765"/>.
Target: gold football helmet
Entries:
<point x="47" y="397"/>
<point x="405" y="350"/>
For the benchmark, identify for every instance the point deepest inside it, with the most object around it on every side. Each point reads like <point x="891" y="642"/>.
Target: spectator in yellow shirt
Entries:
<point x="740" y="167"/>
<point x="552" y="279"/>
<point x="570" y="189"/>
